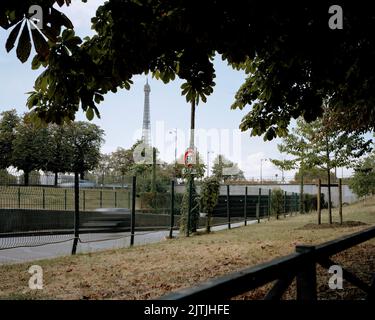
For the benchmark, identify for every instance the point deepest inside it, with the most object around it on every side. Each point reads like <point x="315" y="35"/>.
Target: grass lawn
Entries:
<point x="149" y="271"/>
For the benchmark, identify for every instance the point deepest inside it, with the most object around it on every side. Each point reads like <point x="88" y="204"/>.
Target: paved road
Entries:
<point x="106" y="241"/>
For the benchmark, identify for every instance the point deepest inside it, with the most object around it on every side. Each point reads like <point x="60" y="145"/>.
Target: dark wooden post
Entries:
<point x="340" y="200"/>
<point x="259" y="200"/>
<point x="101" y="198"/>
<point x="306" y="278"/>
<point x="228" y="206"/>
<point x="172" y="211"/>
<point x="269" y="204"/>
<point x="245" y="207"/>
<point x="319" y="207"/>
<point x="76" y="212"/>
<point x="115" y="199"/>
<point x="132" y="220"/>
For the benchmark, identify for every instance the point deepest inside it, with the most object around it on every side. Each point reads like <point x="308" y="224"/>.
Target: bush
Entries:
<point x="6" y="178"/>
<point x="209" y="197"/>
<point x="277" y="202"/>
<point x="310" y="202"/>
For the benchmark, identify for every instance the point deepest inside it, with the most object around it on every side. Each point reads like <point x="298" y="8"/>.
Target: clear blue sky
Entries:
<point x="121" y="113"/>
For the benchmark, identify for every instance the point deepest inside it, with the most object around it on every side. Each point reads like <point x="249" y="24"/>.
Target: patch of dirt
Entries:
<point x="345" y="224"/>
<point x="358" y="260"/>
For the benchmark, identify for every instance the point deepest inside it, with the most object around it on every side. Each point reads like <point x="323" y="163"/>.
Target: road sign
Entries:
<point x="189" y="158"/>
<point x="189" y="171"/>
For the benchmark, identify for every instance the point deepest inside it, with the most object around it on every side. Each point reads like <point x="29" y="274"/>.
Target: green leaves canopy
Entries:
<point x="293" y="60"/>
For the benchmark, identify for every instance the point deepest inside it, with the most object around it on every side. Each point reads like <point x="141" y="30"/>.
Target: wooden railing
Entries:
<point x="300" y="265"/>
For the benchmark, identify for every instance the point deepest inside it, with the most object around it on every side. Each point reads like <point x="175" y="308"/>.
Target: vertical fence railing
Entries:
<point x="245" y="207"/>
<point x="340" y="200"/>
<point x="269" y="204"/>
<point x="285" y="207"/>
<point x="43" y="198"/>
<point x="172" y="211"/>
<point x="76" y="213"/>
<point x="190" y="206"/>
<point x="228" y="206"/>
<point x="19" y="198"/>
<point x="132" y="219"/>
<point x="65" y="199"/>
<point x="258" y="204"/>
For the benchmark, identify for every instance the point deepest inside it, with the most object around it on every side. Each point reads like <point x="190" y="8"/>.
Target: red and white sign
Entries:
<point x="189" y="158"/>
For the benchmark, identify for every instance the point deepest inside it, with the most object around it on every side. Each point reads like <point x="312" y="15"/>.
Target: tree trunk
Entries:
<point x="190" y="181"/>
<point x="329" y="182"/>
<point x="26" y="176"/>
<point x="56" y="179"/>
<point x="192" y="124"/>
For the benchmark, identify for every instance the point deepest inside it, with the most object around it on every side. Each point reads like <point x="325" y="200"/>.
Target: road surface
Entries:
<point x="100" y="241"/>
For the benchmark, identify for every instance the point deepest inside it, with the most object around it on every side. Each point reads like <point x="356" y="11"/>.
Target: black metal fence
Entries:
<point x="39" y="214"/>
<point x="56" y="198"/>
<point x="300" y="266"/>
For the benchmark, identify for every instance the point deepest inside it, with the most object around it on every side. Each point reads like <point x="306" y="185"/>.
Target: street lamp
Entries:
<point x="261" y="165"/>
<point x="175" y="150"/>
<point x="208" y="163"/>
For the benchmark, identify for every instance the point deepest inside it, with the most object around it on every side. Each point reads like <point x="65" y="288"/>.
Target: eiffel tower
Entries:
<point x="146" y="129"/>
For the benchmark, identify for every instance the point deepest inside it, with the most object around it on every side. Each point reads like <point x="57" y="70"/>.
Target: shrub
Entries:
<point x="209" y="197"/>
<point x="277" y="202"/>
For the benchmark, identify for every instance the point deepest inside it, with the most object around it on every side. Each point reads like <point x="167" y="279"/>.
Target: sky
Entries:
<point x="122" y="113"/>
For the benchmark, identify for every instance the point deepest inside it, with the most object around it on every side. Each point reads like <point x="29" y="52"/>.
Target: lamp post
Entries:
<point x="175" y="150"/>
<point x="261" y="165"/>
<point x="208" y="163"/>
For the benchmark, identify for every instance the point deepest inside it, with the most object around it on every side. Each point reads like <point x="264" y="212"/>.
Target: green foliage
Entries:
<point x="17" y="14"/>
<point x="288" y="76"/>
<point x="9" y="121"/>
<point x="176" y="40"/>
<point x="31" y="178"/>
<point x="158" y="202"/>
<point x="312" y="175"/>
<point x="277" y="202"/>
<point x="363" y="181"/>
<point x="224" y="169"/>
<point x="85" y="140"/>
<point x="29" y="148"/>
<point x="310" y="202"/>
<point x="6" y="178"/>
<point x="210" y="191"/>
<point x="60" y="153"/>
<point x="30" y="145"/>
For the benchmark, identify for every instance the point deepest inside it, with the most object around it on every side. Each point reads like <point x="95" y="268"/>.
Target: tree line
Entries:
<point x="28" y="145"/>
<point x="315" y="146"/>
